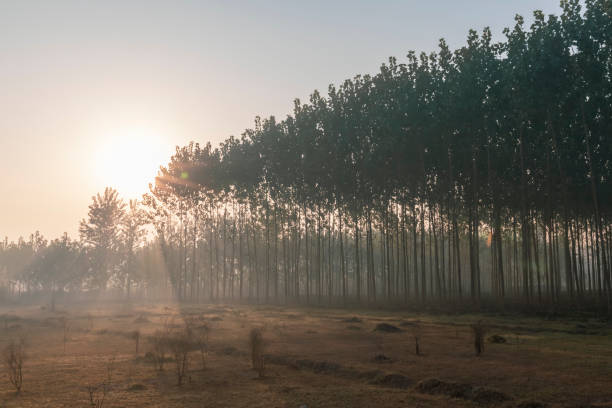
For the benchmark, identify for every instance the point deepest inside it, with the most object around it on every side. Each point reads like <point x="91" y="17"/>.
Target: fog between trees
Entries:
<point x="471" y="176"/>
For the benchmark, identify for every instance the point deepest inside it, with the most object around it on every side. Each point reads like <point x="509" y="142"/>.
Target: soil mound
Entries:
<point x="496" y="338"/>
<point x="392" y="380"/>
<point x="387" y="328"/>
<point x="480" y="395"/>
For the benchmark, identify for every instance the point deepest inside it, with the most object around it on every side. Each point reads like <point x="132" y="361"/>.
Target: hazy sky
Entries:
<point x="96" y="93"/>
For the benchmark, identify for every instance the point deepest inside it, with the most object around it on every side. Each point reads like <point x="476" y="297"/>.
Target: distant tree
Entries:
<point x="56" y="267"/>
<point x="132" y="236"/>
<point x="100" y="234"/>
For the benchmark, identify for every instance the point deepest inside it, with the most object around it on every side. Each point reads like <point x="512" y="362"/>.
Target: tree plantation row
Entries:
<point x="460" y="176"/>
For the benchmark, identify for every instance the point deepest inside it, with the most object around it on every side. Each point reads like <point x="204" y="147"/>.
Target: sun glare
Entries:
<point x="129" y="160"/>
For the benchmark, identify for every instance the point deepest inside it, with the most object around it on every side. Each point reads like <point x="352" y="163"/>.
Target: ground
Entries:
<point x="315" y="357"/>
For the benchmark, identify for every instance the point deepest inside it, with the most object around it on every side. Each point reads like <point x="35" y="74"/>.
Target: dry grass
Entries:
<point x="313" y="360"/>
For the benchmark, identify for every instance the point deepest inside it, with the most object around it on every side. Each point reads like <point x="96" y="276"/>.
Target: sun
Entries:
<point x="128" y="160"/>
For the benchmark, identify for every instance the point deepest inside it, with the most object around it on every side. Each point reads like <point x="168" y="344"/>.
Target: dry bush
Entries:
<point x="14" y="356"/>
<point x="198" y="331"/>
<point x="98" y="393"/>
<point x="479" y="330"/>
<point x="180" y="344"/>
<point x="256" y="343"/>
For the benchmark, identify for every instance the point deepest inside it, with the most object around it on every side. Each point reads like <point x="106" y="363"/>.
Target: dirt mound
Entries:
<point x="122" y="315"/>
<point x="369" y="375"/>
<point x="434" y="386"/>
<point x="149" y="356"/>
<point x="487" y="396"/>
<point x="217" y="310"/>
<point x="352" y="320"/>
<point x="229" y="351"/>
<point x="481" y="395"/>
<point x="392" y="380"/>
<point x="531" y="404"/>
<point x="381" y="358"/>
<point x="496" y="338"/>
<point x="137" y="387"/>
<point x="142" y="319"/>
<point x="324" y="367"/>
<point x="387" y="328"/>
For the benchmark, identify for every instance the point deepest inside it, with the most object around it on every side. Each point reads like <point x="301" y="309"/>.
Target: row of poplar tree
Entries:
<point x="477" y="174"/>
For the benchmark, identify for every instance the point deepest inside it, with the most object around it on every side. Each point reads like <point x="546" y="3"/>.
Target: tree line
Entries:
<point x="474" y="175"/>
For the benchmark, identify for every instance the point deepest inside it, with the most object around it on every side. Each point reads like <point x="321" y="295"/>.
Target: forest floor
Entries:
<point x="315" y="357"/>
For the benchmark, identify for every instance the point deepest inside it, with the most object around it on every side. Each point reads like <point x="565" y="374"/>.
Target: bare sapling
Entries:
<point x="479" y="330"/>
<point x="179" y="344"/>
<point x="417" y="339"/>
<point x="198" y="331"/>
<point x="136" y="337"/>
<point x="98" y="394"/>
<point x="14" y="356"/>
<point x="256" y="343"/>
<point x="159" y="342"/>
<point x="65" y="329"/>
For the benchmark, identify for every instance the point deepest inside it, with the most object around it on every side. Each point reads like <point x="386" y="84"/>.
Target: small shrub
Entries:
<point x="14" y="356"/>
<point x="256" y="343"/>
<point x="479" y="330"/>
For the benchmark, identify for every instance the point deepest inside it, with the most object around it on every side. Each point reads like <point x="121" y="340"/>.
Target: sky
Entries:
<point x="98" y="93"/>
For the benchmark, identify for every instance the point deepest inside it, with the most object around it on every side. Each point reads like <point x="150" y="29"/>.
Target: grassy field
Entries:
<point x="314" y="357"/>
